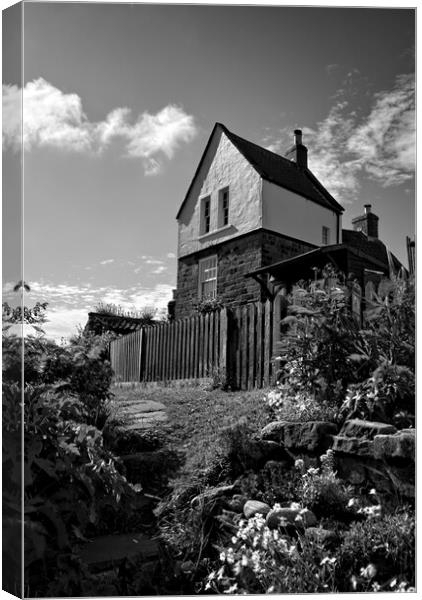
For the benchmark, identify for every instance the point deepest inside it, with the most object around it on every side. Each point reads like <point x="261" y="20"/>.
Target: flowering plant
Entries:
<point x="321" y="488"/>
<point x="263" y="560"/>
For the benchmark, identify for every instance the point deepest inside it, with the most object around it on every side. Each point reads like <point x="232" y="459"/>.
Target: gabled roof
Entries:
<point x="276" y="169"/>
<point x="370" y="246"/>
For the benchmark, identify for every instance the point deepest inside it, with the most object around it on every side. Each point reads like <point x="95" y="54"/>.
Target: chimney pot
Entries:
<point x="298" y="136"/>
<point x="298" y="153"/>
<point x="367" y="223"/>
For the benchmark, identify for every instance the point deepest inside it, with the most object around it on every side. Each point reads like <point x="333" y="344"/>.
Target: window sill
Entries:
<point x="204" y="236"/>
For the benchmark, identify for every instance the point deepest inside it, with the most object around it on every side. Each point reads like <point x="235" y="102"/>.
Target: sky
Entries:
<point x="119" y="101"/>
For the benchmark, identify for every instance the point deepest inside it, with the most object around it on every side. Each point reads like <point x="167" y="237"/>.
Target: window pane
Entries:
<point x="208" y="277"/>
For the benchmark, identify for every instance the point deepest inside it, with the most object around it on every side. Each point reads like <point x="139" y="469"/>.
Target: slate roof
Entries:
<point x="372" y="251"/>
<point x="276" y="169"/>
<point x="371" y="246"/>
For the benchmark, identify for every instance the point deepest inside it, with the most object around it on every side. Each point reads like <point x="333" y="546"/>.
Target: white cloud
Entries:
<point x="386" y="141"/>
<point x="171" y="255"/>
<point x="162" y="132"/>
<point x="158" y="270"/>
<point x="109" y="261"/>
<point x="68" y="305"/>
<point x="346" y="145"/>
<point x="52" y="118"/>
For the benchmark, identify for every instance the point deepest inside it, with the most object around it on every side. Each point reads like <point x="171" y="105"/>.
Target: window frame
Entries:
<point x="325" y="235"/>
<point x="205" y="225"/>
<point x="223" y="212"/>
<point x="202" y="280"/>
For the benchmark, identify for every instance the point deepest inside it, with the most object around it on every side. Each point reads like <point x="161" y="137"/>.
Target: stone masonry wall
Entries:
<point x="276" y="247"/>
<point x="236" y="258"/>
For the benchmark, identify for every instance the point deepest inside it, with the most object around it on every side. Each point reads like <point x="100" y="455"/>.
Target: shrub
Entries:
<point x="69" y="480"/>
<point x="286" y="405"/>
<point x="329" y="368"/>
<point x="146" y="314"/>
<point x="387" y="396"/>
<point x="388" y="544"/>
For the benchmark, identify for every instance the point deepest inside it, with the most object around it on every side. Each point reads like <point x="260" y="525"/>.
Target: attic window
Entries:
<point x="207" y="288"/>
<point x="205" y="215"/>
<point x="325" y="236"/>
<point x="223" y="207"/>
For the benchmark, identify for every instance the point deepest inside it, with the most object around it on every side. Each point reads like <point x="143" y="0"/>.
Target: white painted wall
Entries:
<point x="223" y="166"/>
<point x="290" y="214"/>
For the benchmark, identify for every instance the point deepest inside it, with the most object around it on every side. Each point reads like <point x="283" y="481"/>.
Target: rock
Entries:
<point x="322" y="536"/>
<point x="353" y="445"/>
<point x="357" y="437"/>
<point x="365" y="429"/>
<point x="396" y="445"/>
<point x="313" y="436"/>
<point x="211" y="496"/>
<point x="269" y="450"/>
<point x="274" y="431"/>
<point x="281" y="517"/>
<point x="253" y="507"/>
<point x="108" y="551"/>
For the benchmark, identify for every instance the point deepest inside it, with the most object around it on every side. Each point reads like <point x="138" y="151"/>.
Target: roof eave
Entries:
<point x="216" y="126"/>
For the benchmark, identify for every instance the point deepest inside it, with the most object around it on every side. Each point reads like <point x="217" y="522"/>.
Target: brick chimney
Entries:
<point x="298" y="153"/>
<point x="367" y="223"/>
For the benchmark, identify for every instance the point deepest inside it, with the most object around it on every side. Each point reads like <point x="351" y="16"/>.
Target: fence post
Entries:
<point x="276" y="331"/>
<point x="224" y="339"/>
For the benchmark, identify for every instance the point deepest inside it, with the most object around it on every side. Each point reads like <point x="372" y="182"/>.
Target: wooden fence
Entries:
<point x="233" y="345"/>
<point x="190" y="348"/>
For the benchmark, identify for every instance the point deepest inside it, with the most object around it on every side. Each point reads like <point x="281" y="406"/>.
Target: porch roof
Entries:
<point x="300" y="266"/>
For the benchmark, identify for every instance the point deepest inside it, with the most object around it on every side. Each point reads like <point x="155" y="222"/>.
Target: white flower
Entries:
<point x="368" y="572"/>
<point x="231" y="589"/>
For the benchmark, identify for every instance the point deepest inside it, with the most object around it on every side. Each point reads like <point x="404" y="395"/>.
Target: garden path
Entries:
<point x="137" y="412"/>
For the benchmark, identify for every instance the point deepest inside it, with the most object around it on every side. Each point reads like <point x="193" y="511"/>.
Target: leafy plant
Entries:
<point x="313" y="354"/>
<point x="321" y="490"/>
<point x="330" y="368"/>
<point x="207" y="305"/>
<point x="70" y="481"/>
<point x="387" y="543"/>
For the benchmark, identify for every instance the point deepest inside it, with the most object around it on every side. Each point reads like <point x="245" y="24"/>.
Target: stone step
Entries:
<point x="144" y="421"/>
<point x="144" y="405"/>
<point x="108" y="551"/>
